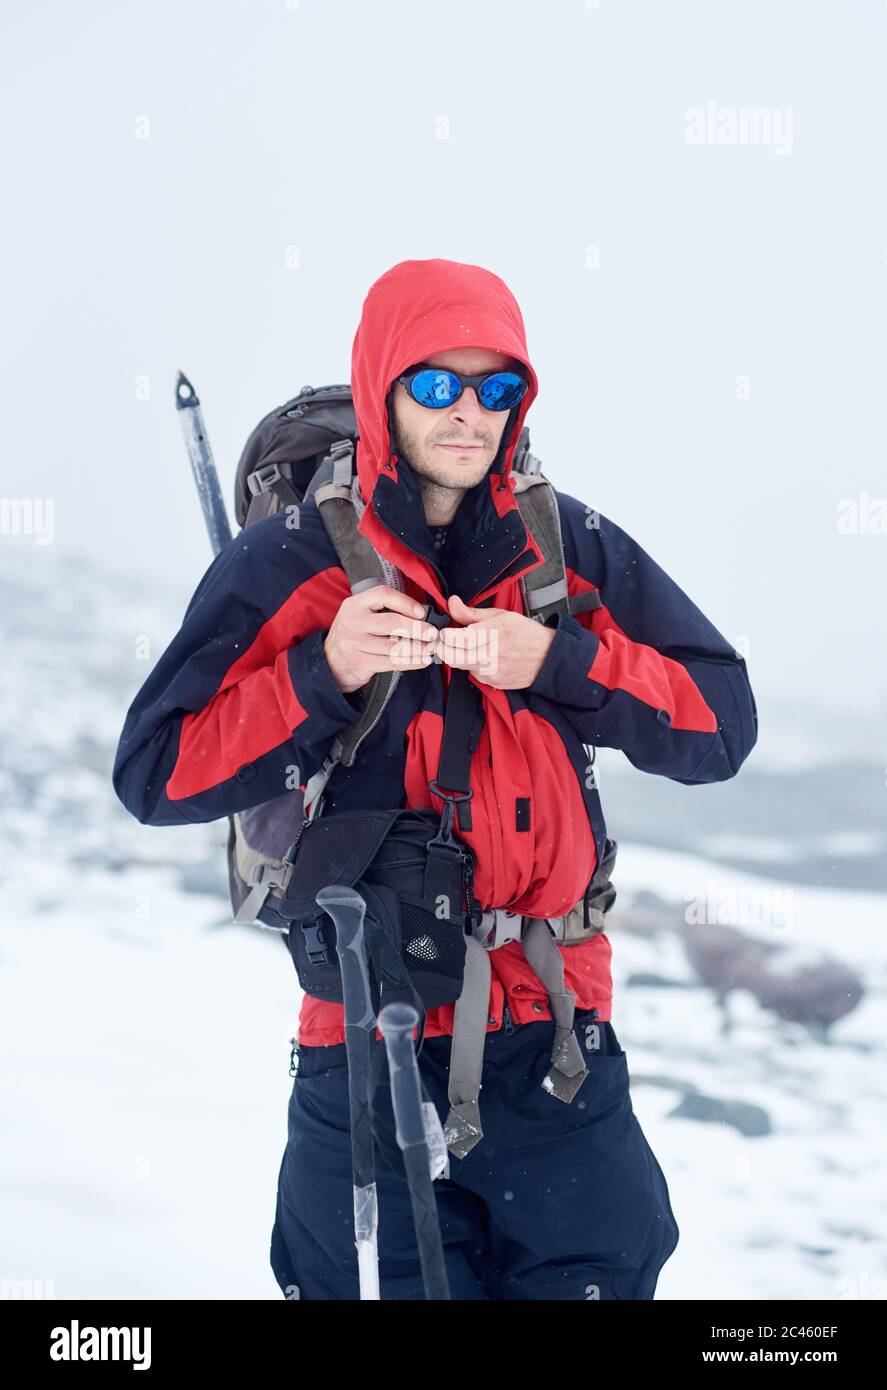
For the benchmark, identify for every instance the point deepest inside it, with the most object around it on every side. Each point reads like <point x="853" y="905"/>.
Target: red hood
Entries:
<point x="414" y="310"/>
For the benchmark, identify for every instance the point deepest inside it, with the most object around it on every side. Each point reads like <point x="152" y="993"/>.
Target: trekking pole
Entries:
<point x="397" y="1022"/>
<point x="202" y="463"/>
<point x="347" y="909"/>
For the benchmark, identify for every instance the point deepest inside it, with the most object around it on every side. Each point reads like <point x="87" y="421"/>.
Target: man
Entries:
<point x="557" y="1200"/>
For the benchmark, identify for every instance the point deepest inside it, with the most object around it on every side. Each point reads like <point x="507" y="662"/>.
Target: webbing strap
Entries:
<point x="262" y="876"/>
<point x="545" y="587"/>
<point x="548" y="593"/>
<point x="364" y="569"/>
<point x="568" y="1070"/>
<point x="463" y="1128"/>
<point x="316" y="784"/>
<point x="271" y="487"/>
<point x="585" y="602"/>
<point x="463" y="699"/>
<point x="462" y="723"/>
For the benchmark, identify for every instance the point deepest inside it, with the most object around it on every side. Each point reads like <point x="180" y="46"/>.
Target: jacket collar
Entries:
<point x="488" y="541"/>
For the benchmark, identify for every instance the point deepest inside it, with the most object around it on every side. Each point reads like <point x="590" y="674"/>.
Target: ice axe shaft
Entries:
<point x="203" y="465"/>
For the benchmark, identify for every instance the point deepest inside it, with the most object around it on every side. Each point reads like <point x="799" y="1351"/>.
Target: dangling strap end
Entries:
<point x="563" y="1087"/>
<point x="463" y="1128"/>
<point x="567" y="1071"/>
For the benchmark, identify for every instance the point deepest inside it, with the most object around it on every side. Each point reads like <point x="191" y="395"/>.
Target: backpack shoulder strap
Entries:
<point x="340" y="506"/>
<point x="545" y="587"/>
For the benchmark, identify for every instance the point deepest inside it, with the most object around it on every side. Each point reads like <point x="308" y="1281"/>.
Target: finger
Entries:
<point x="459" y="610"/>
<point x="384" y="596"/>
<point x="489" y="620"/>
<point x="369" y="645"/>
<point x="394" y="663"/>
<point x="464" y="658"/>
<point x="454" y="638"/>
<point x="395" y="625"/>
<point x="463" y="614"/>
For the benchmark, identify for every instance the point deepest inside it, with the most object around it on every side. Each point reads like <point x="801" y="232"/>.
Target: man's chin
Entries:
<point x="451" y="469"/>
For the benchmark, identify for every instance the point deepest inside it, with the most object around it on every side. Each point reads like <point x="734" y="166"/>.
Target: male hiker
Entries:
<point x="561" y="1197"/>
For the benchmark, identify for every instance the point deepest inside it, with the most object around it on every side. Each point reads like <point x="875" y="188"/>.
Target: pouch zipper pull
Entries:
<point x="289" y="858"/>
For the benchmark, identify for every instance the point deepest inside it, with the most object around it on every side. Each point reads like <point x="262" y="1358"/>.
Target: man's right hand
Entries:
<point x="364" y="639"/>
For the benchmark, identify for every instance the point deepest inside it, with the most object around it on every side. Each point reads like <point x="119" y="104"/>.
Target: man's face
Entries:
<point x="453" y="447"/>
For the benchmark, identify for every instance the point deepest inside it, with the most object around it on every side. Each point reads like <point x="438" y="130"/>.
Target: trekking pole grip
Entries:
<point x="396" y="1024"/>
<point x="348" y="909"/>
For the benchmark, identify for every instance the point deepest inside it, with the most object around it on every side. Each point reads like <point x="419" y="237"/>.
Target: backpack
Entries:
<point x="305" y="449"/>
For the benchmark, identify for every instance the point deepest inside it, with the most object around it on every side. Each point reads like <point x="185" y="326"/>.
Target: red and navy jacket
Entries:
<point x="243" y="693"/>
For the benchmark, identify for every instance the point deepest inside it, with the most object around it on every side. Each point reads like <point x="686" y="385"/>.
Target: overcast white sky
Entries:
<point x="655" y="275"/>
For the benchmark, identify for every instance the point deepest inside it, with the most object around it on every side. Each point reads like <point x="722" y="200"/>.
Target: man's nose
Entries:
<point x="468" y="407"/>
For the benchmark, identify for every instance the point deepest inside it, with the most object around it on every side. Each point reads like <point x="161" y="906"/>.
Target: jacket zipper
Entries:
<point x="490" y="584"/>
<point x="418" y="554"/>
<point x="395" y="677"/>
<point x="488" y="789"/>
<point x="290" y="856"/>
<point x="507" y="1020"/>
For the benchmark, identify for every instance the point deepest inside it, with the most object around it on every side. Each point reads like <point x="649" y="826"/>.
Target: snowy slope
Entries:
<point x="144" y="1051"/>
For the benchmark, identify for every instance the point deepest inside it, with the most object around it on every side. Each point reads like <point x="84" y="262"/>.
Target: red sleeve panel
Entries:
<point x="243" y="694"/>
<point x="646" y="672"/>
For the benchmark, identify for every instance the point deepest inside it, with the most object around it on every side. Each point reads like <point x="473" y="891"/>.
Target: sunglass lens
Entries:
<point x="434" y="389"/>
<point x="501" y="391"/>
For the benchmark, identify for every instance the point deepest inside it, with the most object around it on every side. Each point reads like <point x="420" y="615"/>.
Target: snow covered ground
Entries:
<point x="144" y="1090"/>
<point x="144" y="1047"/>
<point x="799" y="1211"/>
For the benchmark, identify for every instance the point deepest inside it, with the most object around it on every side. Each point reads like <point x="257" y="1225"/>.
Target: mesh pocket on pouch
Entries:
<point x="432" y="947"/>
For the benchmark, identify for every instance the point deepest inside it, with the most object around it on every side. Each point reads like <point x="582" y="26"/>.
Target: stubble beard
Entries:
<point x="437" y="484"/>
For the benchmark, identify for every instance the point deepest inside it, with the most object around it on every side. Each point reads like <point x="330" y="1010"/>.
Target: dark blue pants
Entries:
<point x="556" y="1201"/>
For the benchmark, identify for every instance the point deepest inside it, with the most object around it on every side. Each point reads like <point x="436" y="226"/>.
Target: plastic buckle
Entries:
<point x="271" y="874"/>
<point x="474" y="920"/>
<point x="445" y="834"/>
<point x="316" y="943"/>
<point x="498" y="926"/>
<point x="556" y="926"/>
<point x="263" y="477"/>
<point x="434" y="787"/>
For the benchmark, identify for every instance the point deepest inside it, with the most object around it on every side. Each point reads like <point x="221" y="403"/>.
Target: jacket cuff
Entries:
<point x="563" y="675"/>
<point x="316" y="690"/>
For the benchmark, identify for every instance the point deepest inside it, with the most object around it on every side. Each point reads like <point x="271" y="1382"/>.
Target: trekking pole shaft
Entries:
<point x="397" y="1022"/>
<point x="427" y="1222"/>
<point x="347" y="909"/>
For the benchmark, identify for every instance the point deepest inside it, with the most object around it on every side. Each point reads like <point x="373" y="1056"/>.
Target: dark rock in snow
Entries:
<point x="814" y="993"/>
<point x="749" y="1120"/>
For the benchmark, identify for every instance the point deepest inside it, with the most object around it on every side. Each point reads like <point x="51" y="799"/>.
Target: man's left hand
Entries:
<point x="502" y="649"/>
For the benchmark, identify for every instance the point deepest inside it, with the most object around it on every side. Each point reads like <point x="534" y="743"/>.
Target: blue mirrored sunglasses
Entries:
<point x="438" y="387"/>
